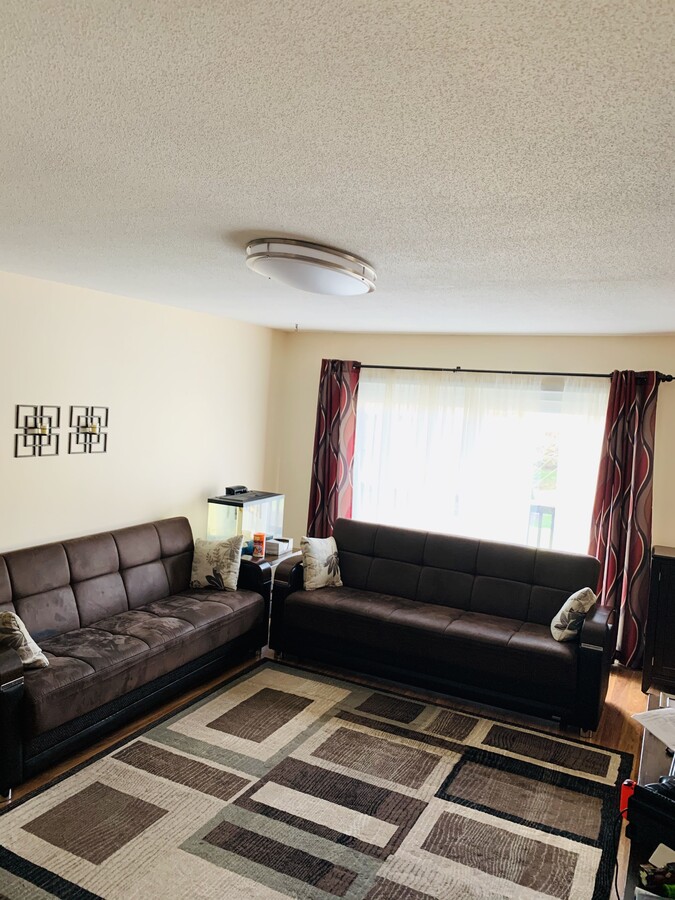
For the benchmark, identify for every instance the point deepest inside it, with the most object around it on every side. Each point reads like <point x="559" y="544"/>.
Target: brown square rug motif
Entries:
<point x="283" y="783"/>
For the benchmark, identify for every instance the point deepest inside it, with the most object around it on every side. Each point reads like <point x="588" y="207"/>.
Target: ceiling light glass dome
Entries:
<point x="310" y="267"/>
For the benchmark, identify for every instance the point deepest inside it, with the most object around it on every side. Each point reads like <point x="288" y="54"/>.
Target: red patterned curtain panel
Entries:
<point x="331" y="490"/>
<point x="622" y="515"/>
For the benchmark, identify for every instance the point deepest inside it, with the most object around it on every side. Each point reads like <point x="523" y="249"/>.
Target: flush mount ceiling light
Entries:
<point x="310" y="267"/>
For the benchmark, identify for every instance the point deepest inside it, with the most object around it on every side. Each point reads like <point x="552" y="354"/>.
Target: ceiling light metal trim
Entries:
<point x="352" y="267"/>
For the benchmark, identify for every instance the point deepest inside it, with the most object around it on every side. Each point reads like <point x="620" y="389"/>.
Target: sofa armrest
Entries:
<point x="597" y="643"/>
<point x="256" y="576"/>
<point x="598" y="630"/>
<point x="11" y="695"/>
<point x="289" y="577"/>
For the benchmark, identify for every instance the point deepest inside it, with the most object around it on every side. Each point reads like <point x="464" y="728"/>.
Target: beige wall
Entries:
<point x="198" y="402"/>
<point x="188" y="409"/>
<point x="298" y="356"/>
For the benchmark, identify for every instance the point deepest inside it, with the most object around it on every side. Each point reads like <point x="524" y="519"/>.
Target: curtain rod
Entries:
<point x="660" y="376"/>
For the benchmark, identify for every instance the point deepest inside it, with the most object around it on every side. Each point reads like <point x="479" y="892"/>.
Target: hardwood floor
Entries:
<point x="617" y="729"/>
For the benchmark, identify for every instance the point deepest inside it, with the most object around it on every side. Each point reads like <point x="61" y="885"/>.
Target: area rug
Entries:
<point x="284" y="783"/>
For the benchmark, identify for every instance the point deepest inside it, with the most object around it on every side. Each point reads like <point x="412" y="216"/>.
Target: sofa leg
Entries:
<point x="5" y="795"/>
<point x="586" y="733"/>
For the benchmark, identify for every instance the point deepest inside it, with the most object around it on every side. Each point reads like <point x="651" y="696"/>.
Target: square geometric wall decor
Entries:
<point x="37" y="431"/>
<point x="88" y="429"/>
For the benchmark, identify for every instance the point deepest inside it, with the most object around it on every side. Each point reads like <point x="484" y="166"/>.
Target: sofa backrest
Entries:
<point x="56" y="588"/>
<point x="481" y="576"/>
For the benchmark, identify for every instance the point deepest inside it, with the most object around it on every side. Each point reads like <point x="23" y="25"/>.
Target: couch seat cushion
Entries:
<point x="154" y="630"/>
<point x="373" y="605"/>
<point x="484" y="628"/>
<point x="349" y="601"/>
<point x="62" y="676"/>
<point x="427" y="616"/>
<point x="202" y="607"/>
<point x="98" y="648"/>
<point x="550" y="658"/>
<point x="92" y="666"/>
<point x="305" y="609"/>
<point x="495" y="649"/>
<point x="308" y="608"/>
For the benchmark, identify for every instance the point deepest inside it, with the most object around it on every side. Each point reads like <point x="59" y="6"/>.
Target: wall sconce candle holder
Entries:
<point x="88" y="434"/>
<point x="37" y="431"/>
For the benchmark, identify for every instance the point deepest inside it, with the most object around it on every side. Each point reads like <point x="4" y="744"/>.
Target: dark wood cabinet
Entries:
<point x="659" y="663"/>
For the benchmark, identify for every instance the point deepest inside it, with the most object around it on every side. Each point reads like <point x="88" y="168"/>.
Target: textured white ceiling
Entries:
<point x="504" y="164"/>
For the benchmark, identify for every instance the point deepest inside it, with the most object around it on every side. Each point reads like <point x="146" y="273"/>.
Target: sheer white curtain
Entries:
<point x="508" y="458"/>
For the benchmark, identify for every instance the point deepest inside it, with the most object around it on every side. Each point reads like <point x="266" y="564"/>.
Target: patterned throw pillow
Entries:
<point x="320" y="563"/>
<point x="215" y="564"/>
<point x="567" y="623"/>
<point x="14" y="635"/>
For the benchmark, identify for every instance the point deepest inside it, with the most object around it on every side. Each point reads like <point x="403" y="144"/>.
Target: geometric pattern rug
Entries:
<point x="283" y="783"/>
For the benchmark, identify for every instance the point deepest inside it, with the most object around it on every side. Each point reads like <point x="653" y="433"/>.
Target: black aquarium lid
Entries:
<point x="243" y="499"/>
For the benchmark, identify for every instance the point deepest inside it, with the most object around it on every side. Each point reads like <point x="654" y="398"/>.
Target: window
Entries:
<point x="506" y="458"/>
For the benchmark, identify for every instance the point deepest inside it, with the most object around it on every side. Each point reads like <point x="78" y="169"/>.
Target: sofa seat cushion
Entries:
<point x="330" y="610"/>
<point x="154" y="630"/>
<point x="61" y="678"/>
<point x="348" y="601"/>
<point x="371" y="605"/>
<point x="92" y="666"/>
<point x="494" y="649"/>
<point x="551" y="659"/>
<point x="483" y="628"/>
<point x="203" y="607"/>
<point x="98" y="648"/>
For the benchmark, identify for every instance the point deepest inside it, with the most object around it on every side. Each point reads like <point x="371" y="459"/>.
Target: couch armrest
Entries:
<point x="289" y="577"/>
<point x="256" y="576"/>
<point x="598" y="630"/>
<point x="597" y="643"/>
<point x="11" y="695"/>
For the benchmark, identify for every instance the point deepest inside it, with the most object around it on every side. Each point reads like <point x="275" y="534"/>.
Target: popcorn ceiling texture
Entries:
<point x="504" y="164"/>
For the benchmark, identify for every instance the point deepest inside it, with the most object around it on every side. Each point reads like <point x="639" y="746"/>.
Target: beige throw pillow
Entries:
<point x="320" y="563"/>
<point x="567" y="623"/>
<point x="215" y="564"/>
<point x="14" y="635"/>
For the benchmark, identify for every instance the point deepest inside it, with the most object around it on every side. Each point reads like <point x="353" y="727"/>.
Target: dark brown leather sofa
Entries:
<point x="122" y="630"/>
<point x="461" y="616"/>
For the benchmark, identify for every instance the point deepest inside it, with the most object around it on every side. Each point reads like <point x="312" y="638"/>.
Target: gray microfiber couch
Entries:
<point x="122" y="630"/>
<point x="462" y="616"/>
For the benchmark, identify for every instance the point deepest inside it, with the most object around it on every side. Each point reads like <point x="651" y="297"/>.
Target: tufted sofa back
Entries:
<point x="481" y="576"/>
<point x="57" y="588"/>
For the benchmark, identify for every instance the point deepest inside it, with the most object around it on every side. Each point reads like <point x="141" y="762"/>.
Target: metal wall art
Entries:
<point x="37" y="431"/>
<point x="88" y="429"/>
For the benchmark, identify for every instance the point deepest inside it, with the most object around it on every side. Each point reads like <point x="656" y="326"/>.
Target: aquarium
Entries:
<point x="247" y="513"/>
